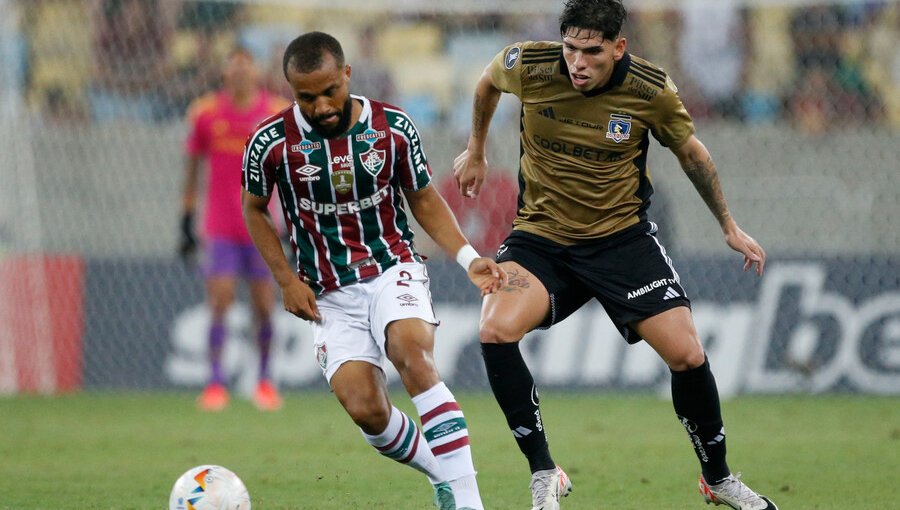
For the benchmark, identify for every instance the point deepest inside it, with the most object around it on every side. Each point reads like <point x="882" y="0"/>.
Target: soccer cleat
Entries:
<point x="266" y="397"/>
<point x="547" y="487"/>
<point x="443" y="497"/>
<point x="733" y="493"/>
<point x="214" y="398"/>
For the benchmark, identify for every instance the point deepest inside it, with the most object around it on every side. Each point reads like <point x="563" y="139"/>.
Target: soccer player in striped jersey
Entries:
<point x="219" y="123"/>
<point x="582" y="231"/>
<point x="343" y="166"/>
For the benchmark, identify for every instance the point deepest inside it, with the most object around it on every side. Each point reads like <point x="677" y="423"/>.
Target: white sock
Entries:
<point x="444" y="427"/>
<point x="465" y="490"/>
<point x="402" y="442"/>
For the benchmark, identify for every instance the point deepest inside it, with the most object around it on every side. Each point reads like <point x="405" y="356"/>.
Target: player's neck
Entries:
<point x="355" y="112"/>
<point x="242" y="99"/>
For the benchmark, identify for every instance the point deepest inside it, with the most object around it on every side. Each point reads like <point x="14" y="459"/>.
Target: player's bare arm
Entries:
<point x="470" y="167"/>
<point x="697" y="163"/>
<point x="298" y="298"/>
<point x="435" y="217"/>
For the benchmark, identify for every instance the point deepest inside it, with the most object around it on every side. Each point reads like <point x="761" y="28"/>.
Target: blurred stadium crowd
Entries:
<point x="818" y="67"/>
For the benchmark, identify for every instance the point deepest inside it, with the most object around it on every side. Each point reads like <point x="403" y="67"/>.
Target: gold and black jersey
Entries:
<point x="583" y="168"/>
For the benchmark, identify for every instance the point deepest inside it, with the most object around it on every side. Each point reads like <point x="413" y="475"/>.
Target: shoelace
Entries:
<point x="540" y="486"/>
<point x="737" y="489"/>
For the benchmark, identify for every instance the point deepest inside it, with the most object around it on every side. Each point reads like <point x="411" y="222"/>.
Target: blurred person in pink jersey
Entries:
<point x="219" y="123"/>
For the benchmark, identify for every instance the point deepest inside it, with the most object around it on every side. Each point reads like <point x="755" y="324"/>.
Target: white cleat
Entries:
<point x="734" y="493"/>
<point x="547" y="487"/>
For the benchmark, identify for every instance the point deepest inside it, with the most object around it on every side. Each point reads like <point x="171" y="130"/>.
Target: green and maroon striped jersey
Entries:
<point x="341" y="197"/>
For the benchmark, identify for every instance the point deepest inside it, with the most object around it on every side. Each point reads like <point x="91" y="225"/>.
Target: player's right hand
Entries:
<point x="487" y="275"/>
<point x="300" y="300"/>
<point x="470" y="169"/>
<point x="187" y="244"/>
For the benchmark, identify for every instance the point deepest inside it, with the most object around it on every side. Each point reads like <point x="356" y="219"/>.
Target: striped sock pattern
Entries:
<point x="401" y="441"/>
<point x="445" y="430"/>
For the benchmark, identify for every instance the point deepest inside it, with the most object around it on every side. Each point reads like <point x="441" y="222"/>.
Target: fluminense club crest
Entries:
<point x="619" y="127"/>
<point x="372" y="160"/>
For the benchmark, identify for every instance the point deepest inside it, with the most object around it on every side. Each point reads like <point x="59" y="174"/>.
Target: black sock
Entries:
<point x="696" y="402"/>
<point x="514" y="389"/>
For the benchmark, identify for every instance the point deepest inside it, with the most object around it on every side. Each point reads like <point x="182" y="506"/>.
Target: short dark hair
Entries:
<point x="603" y="16"/>
<point x="307" y="52"/>
<point x="242" y="51"/>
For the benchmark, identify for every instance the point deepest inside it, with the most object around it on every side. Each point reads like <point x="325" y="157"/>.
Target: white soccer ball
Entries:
<point x="209" y="487"/>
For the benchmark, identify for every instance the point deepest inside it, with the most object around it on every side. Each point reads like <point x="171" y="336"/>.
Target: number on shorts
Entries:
<point x="407" y="276"/>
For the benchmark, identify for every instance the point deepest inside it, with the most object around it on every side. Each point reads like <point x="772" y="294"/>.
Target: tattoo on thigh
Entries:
<point x="517" y="281"/>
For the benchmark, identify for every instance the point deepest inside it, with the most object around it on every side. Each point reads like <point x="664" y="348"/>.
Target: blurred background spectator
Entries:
<point x="204" y="36"/>
<point x="130" y="60"/>
<point x="371" y="78"/>
<point x="712" y="55"/>
<point x="816" y="65"/>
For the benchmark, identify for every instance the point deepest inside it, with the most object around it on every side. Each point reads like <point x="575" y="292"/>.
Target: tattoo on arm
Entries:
<point x="478" y="116"/>
<point x="704" y="177"/>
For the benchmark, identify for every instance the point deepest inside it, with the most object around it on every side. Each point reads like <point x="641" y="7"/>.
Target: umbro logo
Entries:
<point x="308" y="173"/>
<point x="671" y="294"/>
<point x="408" y="300"/>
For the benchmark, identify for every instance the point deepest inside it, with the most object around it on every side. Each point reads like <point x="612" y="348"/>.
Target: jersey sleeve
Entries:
<point x="410" y="166"/>
<point x="260" y="158"/>
<point x="672" y="124"/>
<point x="197" y="141"/>
<point x="506" y="69"/>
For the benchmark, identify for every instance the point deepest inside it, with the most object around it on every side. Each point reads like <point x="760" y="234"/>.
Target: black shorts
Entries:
<point x="627" y="272"/>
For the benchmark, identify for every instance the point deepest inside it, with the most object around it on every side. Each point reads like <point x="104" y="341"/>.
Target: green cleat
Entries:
<point x="443" y="497"/>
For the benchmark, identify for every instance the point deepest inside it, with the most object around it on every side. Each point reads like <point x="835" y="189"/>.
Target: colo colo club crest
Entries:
<point x="619" y="127"/>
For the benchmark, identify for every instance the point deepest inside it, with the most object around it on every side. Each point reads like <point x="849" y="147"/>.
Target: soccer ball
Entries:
<point x="209" y="487"/>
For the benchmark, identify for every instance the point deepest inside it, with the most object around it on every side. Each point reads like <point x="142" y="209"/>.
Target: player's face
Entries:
<point x="241" y="73"/>
<point x="324" y="96"/>
<point x="590" y="58"/>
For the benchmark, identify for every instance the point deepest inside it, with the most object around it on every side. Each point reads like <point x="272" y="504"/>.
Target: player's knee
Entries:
<point x="413" y="362"/>
<point x="262" y="315"/>
<point x="500" y="331"/>
<point x="688" y="359"/>
<point x="369" y="414"/>
<point x="219" y="304"/>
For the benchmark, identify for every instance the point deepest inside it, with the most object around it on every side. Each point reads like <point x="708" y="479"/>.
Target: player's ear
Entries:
<point x="619" y="46"/>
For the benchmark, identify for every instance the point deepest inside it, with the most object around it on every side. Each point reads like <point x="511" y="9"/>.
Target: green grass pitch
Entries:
<point x="125" y="450"/>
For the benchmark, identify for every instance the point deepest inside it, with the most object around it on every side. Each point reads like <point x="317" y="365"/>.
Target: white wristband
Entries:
<point x="465" y="256"/>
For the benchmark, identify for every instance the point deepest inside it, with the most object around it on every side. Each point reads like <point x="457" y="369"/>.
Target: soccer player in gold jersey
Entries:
<point x="582" y="231"/>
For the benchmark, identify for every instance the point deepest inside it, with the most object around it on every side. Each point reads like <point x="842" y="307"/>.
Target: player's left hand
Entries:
<point x="487" y="275"/>
<point x="187" y="242"/>
<point x="741" y="242"/>
<point x="470" y="170"/>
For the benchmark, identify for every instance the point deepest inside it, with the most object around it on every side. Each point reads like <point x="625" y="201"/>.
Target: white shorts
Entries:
<point x="354" y="318"/>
